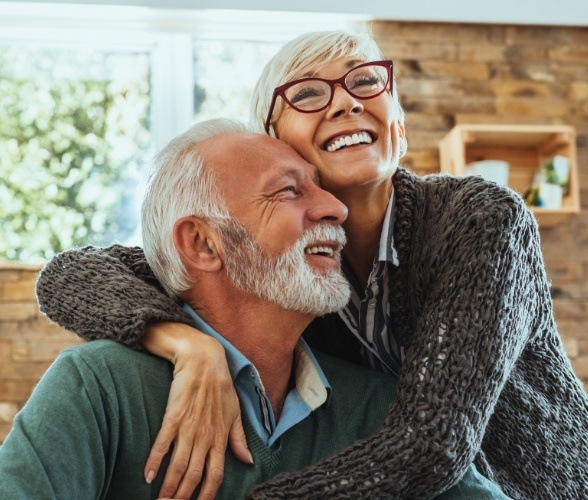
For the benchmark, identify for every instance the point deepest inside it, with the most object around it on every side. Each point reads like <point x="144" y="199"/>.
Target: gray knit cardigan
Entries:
<point x="485" y="377"/>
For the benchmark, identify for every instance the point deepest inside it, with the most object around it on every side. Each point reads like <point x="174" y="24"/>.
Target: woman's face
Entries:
<point x="315" y="135"/>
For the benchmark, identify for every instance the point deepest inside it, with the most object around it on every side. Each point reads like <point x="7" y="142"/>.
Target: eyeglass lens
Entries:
<point x="313" y="94"/>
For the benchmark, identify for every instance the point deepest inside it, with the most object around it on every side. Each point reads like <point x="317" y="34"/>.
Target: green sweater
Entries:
<point x="87" y="429"/>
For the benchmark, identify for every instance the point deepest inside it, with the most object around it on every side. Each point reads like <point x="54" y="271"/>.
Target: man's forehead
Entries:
<point x="256" y="157"/>
<point x="239" y="146"/>
<point x="267" y="172"/>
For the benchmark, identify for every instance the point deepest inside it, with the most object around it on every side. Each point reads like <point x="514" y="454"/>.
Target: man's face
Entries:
<point x="274" y="193"/>
<point x="286" y="279"/>
<point x="286" y="240"/>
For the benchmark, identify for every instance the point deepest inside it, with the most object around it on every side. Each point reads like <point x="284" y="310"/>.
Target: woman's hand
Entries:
<point x="202" y="413"/>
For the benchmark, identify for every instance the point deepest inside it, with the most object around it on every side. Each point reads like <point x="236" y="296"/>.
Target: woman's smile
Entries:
<point x="347" y="140"/>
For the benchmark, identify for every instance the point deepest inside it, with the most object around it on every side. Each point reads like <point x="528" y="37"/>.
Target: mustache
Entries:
<point x="323" y="232"/>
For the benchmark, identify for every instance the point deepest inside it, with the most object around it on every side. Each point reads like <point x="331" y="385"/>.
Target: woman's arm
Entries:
<point x="462" y="354"/>
<point x="105" y="293"/>
<point x="202" y="412"/>
<point x="112" y="293"/>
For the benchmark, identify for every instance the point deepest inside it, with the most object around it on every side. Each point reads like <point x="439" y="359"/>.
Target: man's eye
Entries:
<point x="289" y="189"/>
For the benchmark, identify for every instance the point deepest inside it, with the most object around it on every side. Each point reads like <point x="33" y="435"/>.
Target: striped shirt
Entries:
<point x="367" y="314"/>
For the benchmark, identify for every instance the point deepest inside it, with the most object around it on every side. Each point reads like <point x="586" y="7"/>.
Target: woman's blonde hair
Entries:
<point x="308" y="52"/>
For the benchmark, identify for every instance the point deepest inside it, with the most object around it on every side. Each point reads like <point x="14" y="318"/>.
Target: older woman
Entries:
<point x="449" y="293"/>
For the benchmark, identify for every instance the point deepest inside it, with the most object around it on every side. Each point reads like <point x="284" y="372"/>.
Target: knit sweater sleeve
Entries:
<point x="487" y="293"/>
<point x="105" y="293"/>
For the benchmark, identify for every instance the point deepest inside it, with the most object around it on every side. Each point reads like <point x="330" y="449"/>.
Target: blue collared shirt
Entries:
<point x="310" y="392"/>
<point x="367" y="313"/>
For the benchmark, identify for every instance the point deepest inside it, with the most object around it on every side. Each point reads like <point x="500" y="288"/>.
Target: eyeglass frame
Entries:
<point x="280" y="91"/>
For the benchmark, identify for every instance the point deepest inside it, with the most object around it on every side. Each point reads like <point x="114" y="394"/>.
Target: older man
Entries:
<point x="236" y="225"/>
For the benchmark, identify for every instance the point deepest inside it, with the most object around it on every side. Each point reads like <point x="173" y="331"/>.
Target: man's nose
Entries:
<point x="343" y="103"/>
<point x="327" y="208"/>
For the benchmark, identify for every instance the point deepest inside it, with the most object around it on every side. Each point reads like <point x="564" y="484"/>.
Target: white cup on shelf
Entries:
<point x="490" y="170"/>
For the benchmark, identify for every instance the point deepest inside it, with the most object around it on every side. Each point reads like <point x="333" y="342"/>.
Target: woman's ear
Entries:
<point x="403" y="143"/>
<point x="198" y="244"/>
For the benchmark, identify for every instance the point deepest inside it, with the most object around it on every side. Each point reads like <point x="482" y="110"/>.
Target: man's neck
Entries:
<point x="263" y="332"/>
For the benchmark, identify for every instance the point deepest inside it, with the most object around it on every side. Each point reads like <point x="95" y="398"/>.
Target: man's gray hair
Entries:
<point x="181" y="185"/>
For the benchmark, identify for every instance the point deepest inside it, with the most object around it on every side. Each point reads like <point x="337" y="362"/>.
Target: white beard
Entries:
<point x="286" y="279"/>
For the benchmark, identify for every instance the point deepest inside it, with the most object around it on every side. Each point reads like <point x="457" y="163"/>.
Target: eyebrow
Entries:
<point x="354" y="62"/>
<point x="294" y="173"/>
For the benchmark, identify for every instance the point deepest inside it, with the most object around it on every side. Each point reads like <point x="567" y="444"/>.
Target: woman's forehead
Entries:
<point x="343" y="63"/>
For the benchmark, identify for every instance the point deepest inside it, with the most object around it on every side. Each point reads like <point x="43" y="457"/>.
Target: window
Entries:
<point x="74" y="129"/>
<point x="89" y="92"/>
<point x="225" y="72"/>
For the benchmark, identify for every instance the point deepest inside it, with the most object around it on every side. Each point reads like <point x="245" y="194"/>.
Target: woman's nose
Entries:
<point x="343" y="103"/>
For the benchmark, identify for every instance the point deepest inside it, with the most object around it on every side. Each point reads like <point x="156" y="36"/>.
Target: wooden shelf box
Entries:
<point x="525" y="148"/>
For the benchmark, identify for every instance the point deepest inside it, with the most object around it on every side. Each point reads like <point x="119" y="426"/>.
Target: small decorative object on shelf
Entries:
<point x="491" y="170"/>
<point x="540" y="160"/>
<point x="550" y="184"/>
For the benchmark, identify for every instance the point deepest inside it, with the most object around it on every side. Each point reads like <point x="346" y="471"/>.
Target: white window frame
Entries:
<point x="167" y="34"/>
<point x="89" y="27"/>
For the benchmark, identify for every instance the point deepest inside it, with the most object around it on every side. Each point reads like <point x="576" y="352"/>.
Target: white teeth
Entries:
<point x="349" y="140"/>
<point x="320" y="249"/>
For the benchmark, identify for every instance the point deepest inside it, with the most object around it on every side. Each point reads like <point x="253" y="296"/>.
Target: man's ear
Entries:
<point x="198" y="244"/>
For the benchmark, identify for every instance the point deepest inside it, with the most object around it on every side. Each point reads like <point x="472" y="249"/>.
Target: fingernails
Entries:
<point x="150" y="476"/>
<point x="250" y="457"/>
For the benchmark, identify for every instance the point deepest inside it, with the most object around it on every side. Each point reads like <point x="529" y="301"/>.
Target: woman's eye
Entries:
<point x="304" y="94"/>
<point x="371" y="81"/>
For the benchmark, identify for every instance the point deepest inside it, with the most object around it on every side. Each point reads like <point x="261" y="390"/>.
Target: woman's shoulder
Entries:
<point x="460" y="200"/>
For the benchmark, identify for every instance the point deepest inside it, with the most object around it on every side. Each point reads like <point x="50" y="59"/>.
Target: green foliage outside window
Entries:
<point x="73" y="131"/>
<point x="225" y="73"/>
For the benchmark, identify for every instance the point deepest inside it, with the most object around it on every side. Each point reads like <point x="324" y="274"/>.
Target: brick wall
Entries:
<point x="447" y="74"/>
<point x="450" y="74"/>
<point x="28" y="342"/>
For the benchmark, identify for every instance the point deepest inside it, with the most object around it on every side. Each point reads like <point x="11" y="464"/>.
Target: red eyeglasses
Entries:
<point x="310" y="95"/>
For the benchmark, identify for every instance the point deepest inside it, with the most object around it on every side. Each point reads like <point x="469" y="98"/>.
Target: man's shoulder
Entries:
<point x="111" y="372"/>
<point x="340" y="372"/>
<point x="102" y="356"/>
<point x="103" y="349"/>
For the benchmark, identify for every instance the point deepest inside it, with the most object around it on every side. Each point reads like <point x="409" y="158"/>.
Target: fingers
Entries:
<point x="188" y="470"/>
<point x="214" y="473"/>
<point x="185" y="470"/>
<point x="216" y="459"/>
<point x="160" y="447"/>
<point x="238" y="442"/>
<point x="202" y="412"/>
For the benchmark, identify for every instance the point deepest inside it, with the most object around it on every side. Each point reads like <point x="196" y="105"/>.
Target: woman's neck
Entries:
<point x="367" y="211"/>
